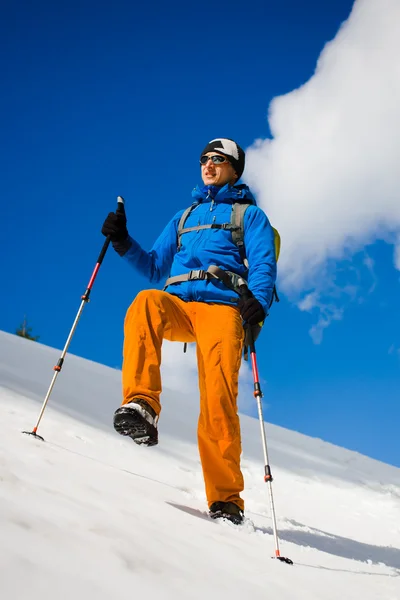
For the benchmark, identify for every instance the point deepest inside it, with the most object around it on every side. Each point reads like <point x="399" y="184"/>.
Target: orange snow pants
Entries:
<point x="218" y="332"/>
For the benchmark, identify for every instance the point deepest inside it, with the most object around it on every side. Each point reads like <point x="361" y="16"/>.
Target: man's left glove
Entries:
<point x="251" y="311"/>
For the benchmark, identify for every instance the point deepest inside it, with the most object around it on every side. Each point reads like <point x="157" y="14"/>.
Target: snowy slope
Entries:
<point x="90" y="515"/>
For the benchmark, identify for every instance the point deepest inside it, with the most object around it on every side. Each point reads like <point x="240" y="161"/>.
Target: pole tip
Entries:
<point x="120" y="200"/>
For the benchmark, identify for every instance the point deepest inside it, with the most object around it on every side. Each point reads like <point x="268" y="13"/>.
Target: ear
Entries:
<point x="234" y="179"/>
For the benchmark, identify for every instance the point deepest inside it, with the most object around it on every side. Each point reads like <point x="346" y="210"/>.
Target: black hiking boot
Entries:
<point x="226" y="510"/>
<point x="137" y="420"/>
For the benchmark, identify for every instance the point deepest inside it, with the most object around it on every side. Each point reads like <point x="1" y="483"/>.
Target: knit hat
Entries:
<point x="231" y="150"/>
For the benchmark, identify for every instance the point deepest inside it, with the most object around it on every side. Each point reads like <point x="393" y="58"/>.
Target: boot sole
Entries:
<point x="235" y="519"/>
<point x="131" y="423"/>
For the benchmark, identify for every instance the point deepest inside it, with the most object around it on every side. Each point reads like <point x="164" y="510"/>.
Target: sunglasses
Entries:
<point x="217" y="159"/>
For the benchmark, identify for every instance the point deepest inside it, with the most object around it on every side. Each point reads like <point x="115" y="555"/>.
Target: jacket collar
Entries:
<point x="226" y="193"/>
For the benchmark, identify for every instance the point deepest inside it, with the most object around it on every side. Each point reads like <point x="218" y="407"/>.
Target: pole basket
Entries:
<point x="284" y="559"/>
<point x="34" y="434"/>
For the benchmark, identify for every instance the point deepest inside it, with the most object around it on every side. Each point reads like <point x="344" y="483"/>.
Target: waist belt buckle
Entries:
<point x="197" y="274"/>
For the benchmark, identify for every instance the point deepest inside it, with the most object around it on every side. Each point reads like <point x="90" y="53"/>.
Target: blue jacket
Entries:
<point x="200" y="249"/>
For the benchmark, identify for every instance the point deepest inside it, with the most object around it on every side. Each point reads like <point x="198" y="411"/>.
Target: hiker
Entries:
<point x="202" y="253"/>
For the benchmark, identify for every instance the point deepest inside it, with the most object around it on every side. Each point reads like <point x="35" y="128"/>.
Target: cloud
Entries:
<point x="329" y="179"/>
<point x="333" y="293"/>
<point x="369" y="263"/>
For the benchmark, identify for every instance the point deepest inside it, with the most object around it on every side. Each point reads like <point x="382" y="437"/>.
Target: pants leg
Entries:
<point x="153" y="316"/>
<point x="219" y="336"/>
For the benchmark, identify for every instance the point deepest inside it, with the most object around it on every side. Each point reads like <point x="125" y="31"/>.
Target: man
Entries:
<point x="200" y="303"/>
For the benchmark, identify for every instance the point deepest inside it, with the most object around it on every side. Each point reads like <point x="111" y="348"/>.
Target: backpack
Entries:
<point x="236" y="226"/>
<point x="231" y="280"/>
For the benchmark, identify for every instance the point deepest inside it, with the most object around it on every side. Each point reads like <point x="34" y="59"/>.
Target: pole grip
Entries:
<point x="103" y="250"/>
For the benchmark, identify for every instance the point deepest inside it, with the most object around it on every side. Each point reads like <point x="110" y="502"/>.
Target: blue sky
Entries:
<point x="101" y="100"/>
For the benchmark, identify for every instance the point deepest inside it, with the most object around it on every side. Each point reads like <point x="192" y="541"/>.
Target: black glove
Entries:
<point x="115" y="226"/>
<point x="251" y="311"/>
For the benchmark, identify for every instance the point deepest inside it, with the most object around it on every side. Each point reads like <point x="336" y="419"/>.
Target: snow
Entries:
<point x="90" y="515"/>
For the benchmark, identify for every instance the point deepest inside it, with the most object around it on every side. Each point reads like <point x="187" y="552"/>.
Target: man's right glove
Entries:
<point x="115" y="226"/>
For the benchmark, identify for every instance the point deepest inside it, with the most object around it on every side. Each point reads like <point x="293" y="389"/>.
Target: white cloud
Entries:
<point x="330" y="177"/>
<point x="370" y="264"/>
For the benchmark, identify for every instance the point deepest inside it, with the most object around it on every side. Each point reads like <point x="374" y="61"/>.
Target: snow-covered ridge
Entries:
<point x="90" y="515"/>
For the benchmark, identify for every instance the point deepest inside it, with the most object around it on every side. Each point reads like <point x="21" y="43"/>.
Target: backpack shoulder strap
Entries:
<point x="182" y="222"/>
<point x="237" y="223"/>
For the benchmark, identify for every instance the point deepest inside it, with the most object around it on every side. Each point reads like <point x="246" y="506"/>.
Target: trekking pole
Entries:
<point x="85" y="299"/>
<point x="245" y="294"/>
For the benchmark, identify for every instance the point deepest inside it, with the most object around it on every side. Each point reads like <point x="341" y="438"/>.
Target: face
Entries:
<point x="217" y="174"/>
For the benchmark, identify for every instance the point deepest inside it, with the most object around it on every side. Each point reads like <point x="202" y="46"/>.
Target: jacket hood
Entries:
<point x="226" y="193"/>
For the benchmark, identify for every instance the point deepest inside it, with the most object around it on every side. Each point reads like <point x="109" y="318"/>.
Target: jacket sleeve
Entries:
<point x="156" y="264"/>
<point x="260" y="253"/>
